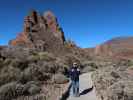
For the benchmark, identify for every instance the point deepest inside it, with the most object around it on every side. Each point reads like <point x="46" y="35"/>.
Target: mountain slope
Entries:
<point x="120" y="47"/>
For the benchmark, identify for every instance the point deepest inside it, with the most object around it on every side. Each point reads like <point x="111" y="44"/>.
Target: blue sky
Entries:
<point x="87" y="22"/>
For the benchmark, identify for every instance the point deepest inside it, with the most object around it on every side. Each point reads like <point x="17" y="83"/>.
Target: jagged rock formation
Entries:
<point x="40" y="32"/>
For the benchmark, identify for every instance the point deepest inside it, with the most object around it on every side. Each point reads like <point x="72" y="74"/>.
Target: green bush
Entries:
<point x="46" y="56"/>
<point x="33" y="58"/>
<point x="42" y="56"/>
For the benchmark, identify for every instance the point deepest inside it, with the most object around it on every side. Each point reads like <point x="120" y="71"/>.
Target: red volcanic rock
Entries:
<point x="27" y="24"/>
<point x="21" y="39"/>
<point x="40" y="32"/>
<point x="53" y="25"/>
<point x="51" y="21"/>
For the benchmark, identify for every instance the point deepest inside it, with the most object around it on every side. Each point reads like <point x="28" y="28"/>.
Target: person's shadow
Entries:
<point x="86" y="91"/>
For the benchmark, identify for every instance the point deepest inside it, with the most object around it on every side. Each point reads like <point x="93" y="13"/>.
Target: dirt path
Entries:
<point x="86" y="89"/>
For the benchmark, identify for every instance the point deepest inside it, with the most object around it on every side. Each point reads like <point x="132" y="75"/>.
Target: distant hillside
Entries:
<point x="120" y="47"/>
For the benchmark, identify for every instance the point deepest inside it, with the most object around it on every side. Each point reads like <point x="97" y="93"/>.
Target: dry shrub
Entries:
<point x="42" y="56"/>
<point x="9" y="74"/>
<point x="69" y="44"/>
<point x="13" y="90"/>
<point x="70" y="59"/>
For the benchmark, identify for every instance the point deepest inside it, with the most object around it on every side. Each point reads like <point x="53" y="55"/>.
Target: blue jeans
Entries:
<point x="75" y="88"/>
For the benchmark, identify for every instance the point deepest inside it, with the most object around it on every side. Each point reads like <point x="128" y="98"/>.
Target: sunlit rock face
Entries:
<point x="40" y="32"/>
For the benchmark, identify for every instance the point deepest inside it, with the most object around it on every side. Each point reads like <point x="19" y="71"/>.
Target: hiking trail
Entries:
<point x="87" y="91"/>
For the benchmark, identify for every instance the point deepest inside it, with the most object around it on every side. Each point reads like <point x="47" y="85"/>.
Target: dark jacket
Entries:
<point x="74" y="74"/>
